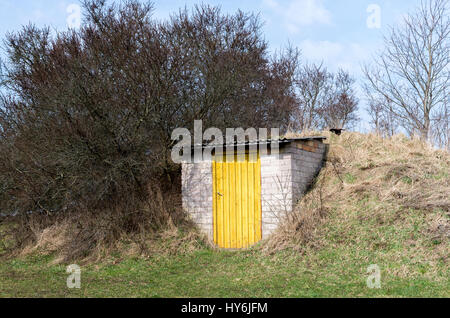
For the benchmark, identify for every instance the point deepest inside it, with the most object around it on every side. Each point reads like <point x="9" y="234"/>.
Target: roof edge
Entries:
<point x="257" y="142"/>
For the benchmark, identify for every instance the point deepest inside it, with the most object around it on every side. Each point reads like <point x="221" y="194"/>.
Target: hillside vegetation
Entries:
<point x="399" y="183"/>
<point x="377" y="201"/>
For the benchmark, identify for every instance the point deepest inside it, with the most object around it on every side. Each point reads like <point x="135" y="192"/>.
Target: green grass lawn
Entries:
<point x="209" y="273"/>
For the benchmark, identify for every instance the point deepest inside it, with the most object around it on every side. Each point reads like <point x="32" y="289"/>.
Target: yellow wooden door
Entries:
<point x="237" y="203"/>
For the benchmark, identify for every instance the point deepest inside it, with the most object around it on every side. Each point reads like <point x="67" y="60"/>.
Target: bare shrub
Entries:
<point x="87" y="115"/>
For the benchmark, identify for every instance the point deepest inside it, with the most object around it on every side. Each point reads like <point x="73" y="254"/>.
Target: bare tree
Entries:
<point x="413" y="70"/>
<point x="383" y="120"/>
<point x="441" y="127"/>
<point x="313" y="88"/>
<point x="324" y="99"/>
<point x="339" y="110"/>
<point x="281" y="100"/>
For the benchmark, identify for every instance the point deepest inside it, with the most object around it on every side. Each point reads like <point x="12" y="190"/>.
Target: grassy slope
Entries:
<point x="387" y="203"/>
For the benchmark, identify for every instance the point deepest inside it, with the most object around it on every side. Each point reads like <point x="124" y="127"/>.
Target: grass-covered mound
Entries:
<point x="377" y="201"/>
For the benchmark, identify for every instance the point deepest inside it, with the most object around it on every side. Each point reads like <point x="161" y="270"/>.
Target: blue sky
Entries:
<point x="333" y="31"/>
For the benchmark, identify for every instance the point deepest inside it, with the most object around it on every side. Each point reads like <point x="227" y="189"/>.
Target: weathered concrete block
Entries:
<point x="284" y="179"/>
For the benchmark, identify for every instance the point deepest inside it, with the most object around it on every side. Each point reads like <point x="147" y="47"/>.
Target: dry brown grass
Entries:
<point x="156" y="225"/>
<point x="381" y="179"/>
<point x="399" y="171"/>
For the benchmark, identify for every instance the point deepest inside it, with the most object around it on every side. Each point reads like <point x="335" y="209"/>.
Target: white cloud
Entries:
<point x="38" y="15"/>
<point x="300" y="13"/>
<point x="321" y="50"/>
<point x="335" y="55"/>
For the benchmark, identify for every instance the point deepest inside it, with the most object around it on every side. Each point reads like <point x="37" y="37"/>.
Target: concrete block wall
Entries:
<point x="307" y="161"/>
<point x="197" y="194"/>
<point x="284" y="179"/>
<point x="276" y="190"/>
